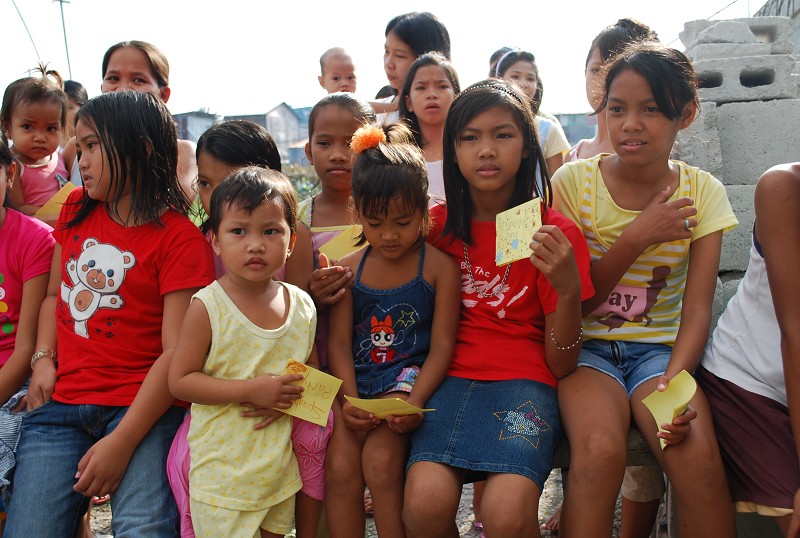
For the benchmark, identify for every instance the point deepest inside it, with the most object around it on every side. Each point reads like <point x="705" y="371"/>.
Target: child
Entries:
<point x="236" y="340"/>
<point x="655" y="257"/>
<point x="222" y="150"/>
<point x="611" y="40"/>
<point x="391" y="335"/>
<point x="750" y="368"/>
<point x="338" y="72"/>
<point x="124" y="267"/>
<point x="496" y="416"/>
<point x="26" y="251"/>
<point x="408" y="36"/>
<point x="519" y="66"/>
<point x="643" y="486"/>
<point x="429" y="90"/>
<point x="331" y="125"/>
<point x="33" y="114"/>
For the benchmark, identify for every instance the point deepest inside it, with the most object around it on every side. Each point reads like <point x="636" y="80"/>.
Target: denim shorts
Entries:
<point x="509" y="427"/>
<point x="630" y="363"/>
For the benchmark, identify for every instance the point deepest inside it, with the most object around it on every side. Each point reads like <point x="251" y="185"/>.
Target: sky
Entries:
<point x="246" y="57"/>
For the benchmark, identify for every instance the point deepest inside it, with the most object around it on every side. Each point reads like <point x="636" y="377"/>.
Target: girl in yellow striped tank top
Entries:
<point x="654" y="229"/>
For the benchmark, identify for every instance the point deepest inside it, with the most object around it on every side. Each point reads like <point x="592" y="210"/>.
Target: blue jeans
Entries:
<point x="54" y="437"/>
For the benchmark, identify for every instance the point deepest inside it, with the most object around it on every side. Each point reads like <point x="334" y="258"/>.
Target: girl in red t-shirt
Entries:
<point x="126" y="262"/>
<point x="496" y="412"/>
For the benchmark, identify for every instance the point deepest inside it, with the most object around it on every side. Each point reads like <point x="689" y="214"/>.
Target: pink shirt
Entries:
<point x="40" y="183"/>
<point x="26" y="251"/>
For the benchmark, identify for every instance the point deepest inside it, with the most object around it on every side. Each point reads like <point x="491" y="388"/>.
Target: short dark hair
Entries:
<point x="76" y="92"/>
<point x="509" y="58"/>
<point x="429" y="58"/>
<point x="668" y="71"/>
<point x="391" y="170"/>
<point x="615" y="37"/>
<point x="6" y="158"/>
<point x="475" y="100"/>
<point x="422" y="32"/>
<point x="47" y="88"/>
<point x="240" y="143"/>
<point x="248" y="188"/>
<point x="344" y="100"/>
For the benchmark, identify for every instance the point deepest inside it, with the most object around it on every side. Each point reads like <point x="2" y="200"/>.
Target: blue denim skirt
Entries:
<point x="491" y="427"/>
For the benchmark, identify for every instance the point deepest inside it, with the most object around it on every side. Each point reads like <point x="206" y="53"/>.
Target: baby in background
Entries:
<point x="338" y="71"/>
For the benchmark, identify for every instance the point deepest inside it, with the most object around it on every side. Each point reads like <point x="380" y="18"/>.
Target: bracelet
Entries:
<point x="42" y="353"/>
<point x="565" y="348"/>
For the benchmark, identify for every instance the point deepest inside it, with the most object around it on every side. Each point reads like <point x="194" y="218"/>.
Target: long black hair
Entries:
<point x="474" y="100"/>
<point x="140" y="147"/>
<point x="429" y="58"/>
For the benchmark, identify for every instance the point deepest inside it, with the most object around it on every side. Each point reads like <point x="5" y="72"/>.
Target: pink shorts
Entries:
<point x="309" y="442"/>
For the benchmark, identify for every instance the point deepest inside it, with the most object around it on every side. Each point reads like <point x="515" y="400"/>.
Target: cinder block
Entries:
<point x="709" y="51"/>
<point x="699" y="144"/>
<point x="753" y="78"/>
<point x="755" y="136"/>
<point x="726" y="32"/>
<point x="773" y="30"/>
<point x="736" y="243"/>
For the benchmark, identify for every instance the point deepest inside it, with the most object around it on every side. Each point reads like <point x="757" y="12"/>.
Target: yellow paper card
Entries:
<point x="343" y="244"/>
<point x="383" y="407"/>
<point x="53" y="205"/>
<point x="515" y="229"/>
<point x="319" y="391"/>
<point x="667" y="405"/>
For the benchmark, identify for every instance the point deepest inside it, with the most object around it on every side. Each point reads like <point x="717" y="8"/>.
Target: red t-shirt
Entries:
<point x="502" y="337"/>
<point x="111" y="302"/>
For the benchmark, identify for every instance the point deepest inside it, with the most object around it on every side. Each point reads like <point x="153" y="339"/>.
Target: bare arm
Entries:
<point x="659" y="222"/>
<point x="301" y="263"/>
<point x="43" y="376"/>
<point x="15" y="194"/>
<point x="69" y="153"/>
<point x="102" y="467"/>
<point x="18" y="367"/>
<point x="553" y="255"/>
<point x="446" y="312"/>
<point x="554" y="163"/>
<point x="698" y="295"/>
<point x="187" y="168"/>
<point x="777" y="202"/>
<point x="340" y="344"/>
<point x="188" y="382"/>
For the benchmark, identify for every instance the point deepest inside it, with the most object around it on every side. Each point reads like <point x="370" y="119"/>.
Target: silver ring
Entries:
<point x="686" y="223"/>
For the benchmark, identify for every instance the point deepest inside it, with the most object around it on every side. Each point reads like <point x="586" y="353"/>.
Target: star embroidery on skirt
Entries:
<point x="523" y="422"/>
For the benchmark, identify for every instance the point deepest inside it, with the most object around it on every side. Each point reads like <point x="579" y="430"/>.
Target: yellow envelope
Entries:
<point x="383" y="407"/>
<point x="667" y="405"/>
<point x="53" y="205"/>
<point x="319" y="391"/>
<point x="343" y="244"/>
<point x="515" y="229"/>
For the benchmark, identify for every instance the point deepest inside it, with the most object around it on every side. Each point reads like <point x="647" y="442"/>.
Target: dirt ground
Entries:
<point x="551" y="498"/>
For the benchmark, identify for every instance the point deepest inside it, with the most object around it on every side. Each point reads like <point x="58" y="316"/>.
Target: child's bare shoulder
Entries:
<point x="438" y="264"/>
<point x="353" y="259"/>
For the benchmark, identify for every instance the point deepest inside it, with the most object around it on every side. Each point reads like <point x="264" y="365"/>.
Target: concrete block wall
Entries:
<point x="748" y="120"/>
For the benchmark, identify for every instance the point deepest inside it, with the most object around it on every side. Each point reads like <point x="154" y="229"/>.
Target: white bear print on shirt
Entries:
<point x="96" y="276"/>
